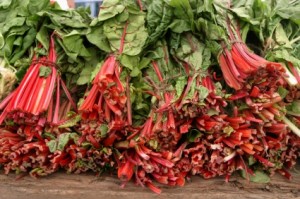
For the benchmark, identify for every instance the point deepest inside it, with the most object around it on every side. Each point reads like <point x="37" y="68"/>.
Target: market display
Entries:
<point x="154" y="91"/>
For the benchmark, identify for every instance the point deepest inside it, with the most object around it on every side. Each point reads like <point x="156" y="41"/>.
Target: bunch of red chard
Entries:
<point x="152" y="149"/>
<point x="35" y="107"/>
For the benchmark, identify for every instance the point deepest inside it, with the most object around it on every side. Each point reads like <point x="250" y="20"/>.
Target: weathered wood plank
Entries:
<point x="87" y="186"/>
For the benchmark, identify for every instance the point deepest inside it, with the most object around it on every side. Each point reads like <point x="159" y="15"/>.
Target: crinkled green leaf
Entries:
<point x="258" y="177"/>
<point x="129" y="62"/>
<point x="109" y="9"/>
<point x="282" y="55"/>
<point x="203" y="92"/>
<point x="96" y="70"/>
<point x="73" y="42"/>
<point x="180" y="85"/>
<point x="281" y="37"/>
<point x="183" y="10"/>
<point x="192" y="51"/>
<point x="159" y="17"/>
<point x="135" y="72"/>
<point x="44" y="71"/>
<point x="63" y="140"/>
<point x="192" y="90"/>
<point x="22" y="65"/>
<point x="228" y="130"/>
<point x="71" y="55"/>
<point x="18" y="21"/>
<point x="52" y="144"/>
<point x="153" y="144"/>
<point x="211" y="30"/>
<point x="251" y="161"/>
<point x="5" y="3"/>
<point x="11" y="9"/>
<point x="288" y="10"/>
<point x="71" y="121"/>
<point x="96" y="37"/>
<point x="294" y="107"/>
<point x="134" y="41"/>
<point x="85" y="75"/>
<point x="8" y="46"/>
<point x="179" y="26"/>
<point x="65" y="18"/>
<point x="245" y="14"/>
<point x="49" y="135"/>
<point x="212" y="112"/>
<point x="88" y="73"/>
<point x="27" y="42"/>
<point x="204" y="6"/>
<point x="18" y="41"/>
<point x="145" y="61"/>
<point x="35" y="6"/>
<point x="282" y="92"/>
<point x="103" y="129"/>
<point x="43" y="37"/>
<point x="214" y="47"/>
<point x="193" y="134"/>
<point x="244" y="32"/>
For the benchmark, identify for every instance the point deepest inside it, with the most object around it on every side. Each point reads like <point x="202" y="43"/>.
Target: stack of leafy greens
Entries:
<point x="165" y="89"/>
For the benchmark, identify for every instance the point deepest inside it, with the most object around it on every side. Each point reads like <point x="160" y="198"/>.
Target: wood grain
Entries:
<point x="87" y="186"/>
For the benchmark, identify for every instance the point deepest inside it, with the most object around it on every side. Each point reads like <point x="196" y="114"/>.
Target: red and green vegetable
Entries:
<point x="152" y="91"/>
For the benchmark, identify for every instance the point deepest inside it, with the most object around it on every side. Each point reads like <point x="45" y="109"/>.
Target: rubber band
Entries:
<point x="46" y="63"/>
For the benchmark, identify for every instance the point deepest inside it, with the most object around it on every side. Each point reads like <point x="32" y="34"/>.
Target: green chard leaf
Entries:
<point x="159" y="18"/>
<point x="96" y="37"/>
<point x="45" y="71"/>
<point x="258" y="177"/>
<point x="183" y="10"/>
<point x="103" y="130"/>
<point x="64" y="139"/>
<point x="110" y="9"/>
<point x="73" y="42"/>
<point x="129" y="62"/>
<point x="193" y="52"/>
<point x="5" y="4"/>
<point x="71" y="121"/>
<point x="35" y="6"/>
<point x="85" y="75"/>
<point x="193" y="134"/>
<point x="294" y="108"/>
<point x="282" y="92"/>
<point x="43" y="37"/>
<point x="180" y="85"/>
<point x="281" y="37"/>
<point x="27" y="42"/>
<point x="211" y="30"/>
<point x="179" y="26"/>
<point x="52" y="144"/>
<point x="203" y="92"/>
<point x="135" y="25"/>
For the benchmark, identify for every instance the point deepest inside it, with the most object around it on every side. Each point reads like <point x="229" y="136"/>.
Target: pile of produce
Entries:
<point x="154" y="91"/>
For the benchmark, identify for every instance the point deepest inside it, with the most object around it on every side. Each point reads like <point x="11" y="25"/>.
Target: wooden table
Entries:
<point x="87" y="186"/>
